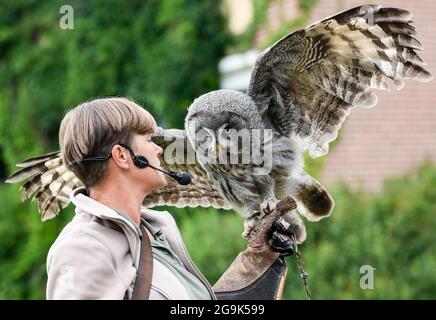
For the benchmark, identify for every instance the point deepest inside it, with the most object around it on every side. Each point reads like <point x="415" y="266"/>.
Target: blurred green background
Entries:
<point x="163" y="54"/>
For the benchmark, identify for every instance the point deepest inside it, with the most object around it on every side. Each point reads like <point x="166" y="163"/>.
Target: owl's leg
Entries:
<point x="291" y="222"/>
<point x="253" y="215"/>
<point x="250" y="222"/>
<point x="313" y="200"/>
<point x="268" y="205"/>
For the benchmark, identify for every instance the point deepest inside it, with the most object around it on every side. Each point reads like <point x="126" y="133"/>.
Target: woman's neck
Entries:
<point x="120" y="198"/>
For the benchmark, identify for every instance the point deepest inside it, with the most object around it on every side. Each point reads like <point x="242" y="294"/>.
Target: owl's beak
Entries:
<point x="218" y="148"/>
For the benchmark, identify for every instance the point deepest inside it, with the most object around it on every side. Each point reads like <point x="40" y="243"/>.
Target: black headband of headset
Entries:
<point x="104" y="157"/>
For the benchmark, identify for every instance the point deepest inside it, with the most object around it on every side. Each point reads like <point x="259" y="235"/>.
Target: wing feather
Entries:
<point x="179" y="156"/>
<point x="306" y="84"/>
<point x="47" y="181"/>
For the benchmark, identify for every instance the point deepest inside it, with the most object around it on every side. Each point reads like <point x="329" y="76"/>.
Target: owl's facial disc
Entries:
<point x="217" y="139"/>
<point x="224" y="134"/>
<point x="214" y="141"/>
<point x="211" y="140"/>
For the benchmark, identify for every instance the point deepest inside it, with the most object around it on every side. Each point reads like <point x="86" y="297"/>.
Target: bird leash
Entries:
<point x="300" y="264"/>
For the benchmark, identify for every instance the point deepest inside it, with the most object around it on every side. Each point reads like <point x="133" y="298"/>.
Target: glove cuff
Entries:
<point x="267" y="285"/>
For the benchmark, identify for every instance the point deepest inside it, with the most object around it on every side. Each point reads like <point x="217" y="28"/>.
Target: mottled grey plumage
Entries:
<point x="302" y="88"/>
<point x="247" y="192"/>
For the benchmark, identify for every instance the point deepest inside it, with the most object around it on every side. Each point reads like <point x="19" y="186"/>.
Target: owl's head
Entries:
<point x="214" y="117"/>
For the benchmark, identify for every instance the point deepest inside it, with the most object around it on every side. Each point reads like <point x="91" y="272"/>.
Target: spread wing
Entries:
<point x="307" y="83"/>
<point x="49" y="182"/>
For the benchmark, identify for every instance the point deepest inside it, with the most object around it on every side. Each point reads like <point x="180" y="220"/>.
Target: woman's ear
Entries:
<point x="120" y="156"/>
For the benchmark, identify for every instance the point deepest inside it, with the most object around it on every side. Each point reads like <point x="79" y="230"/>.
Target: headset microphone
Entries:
<point x="182" y="178"/>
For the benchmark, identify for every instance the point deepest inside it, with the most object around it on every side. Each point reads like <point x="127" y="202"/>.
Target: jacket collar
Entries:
<point x="80" y="198"/>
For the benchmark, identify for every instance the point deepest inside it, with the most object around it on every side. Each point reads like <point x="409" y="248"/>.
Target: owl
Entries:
<point x="301" y="90"/>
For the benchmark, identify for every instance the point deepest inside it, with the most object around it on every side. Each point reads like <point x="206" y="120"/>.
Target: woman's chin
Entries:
<point x="163" y="182"/>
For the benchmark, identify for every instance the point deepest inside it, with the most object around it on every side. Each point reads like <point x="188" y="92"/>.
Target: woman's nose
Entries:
<point x="159" y="150"/>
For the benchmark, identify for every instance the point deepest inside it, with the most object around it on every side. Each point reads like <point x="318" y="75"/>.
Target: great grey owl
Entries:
<point x="301" y="90"/>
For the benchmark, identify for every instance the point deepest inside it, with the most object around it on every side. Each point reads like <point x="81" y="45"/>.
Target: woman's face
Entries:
<point x="143" y="146"/>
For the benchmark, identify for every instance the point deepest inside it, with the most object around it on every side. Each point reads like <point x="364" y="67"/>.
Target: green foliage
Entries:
<point x="161" y="53"/>
<point x="164" y="54"/>
<point x="245" y="41"/>
<point x="24" y="244"/>
<point x="213" y="239"/>
<point x="392" y="231"/>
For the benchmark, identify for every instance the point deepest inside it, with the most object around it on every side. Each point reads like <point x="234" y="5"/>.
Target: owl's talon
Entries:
<point x="247" y="231"/>
<point x="268" y="206"/>
<point x="291" y="224"/>
<point x="250" y="222"/>
<point x="267" y="210"/>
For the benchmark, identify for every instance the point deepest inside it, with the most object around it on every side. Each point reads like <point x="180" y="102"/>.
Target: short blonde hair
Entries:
<point x="94" y="127"/>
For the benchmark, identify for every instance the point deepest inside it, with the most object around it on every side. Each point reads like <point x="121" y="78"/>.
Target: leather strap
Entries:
<point x="141" y="289"/>
<point x="142" y="286"/>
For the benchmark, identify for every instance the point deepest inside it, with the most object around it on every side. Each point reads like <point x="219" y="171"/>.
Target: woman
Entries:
<point x="98" y="253"/>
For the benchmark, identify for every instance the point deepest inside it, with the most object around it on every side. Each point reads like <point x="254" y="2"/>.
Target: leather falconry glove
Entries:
<point x="258" y="273"/>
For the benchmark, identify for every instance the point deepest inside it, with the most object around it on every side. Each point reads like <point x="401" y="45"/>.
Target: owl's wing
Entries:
<point x="50" y="182"/>
<point x="306" y="84"/>
<point x="179" y="155"/>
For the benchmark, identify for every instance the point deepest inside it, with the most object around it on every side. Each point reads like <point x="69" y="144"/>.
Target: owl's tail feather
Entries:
<point x="48" y="180"/>
<point x="313" y="200"/>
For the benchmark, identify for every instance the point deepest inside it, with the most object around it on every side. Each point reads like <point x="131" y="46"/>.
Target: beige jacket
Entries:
<point x="91" y="260"/>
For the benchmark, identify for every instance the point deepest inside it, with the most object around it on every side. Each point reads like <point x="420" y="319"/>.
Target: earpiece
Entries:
<point x="140" y="161"/>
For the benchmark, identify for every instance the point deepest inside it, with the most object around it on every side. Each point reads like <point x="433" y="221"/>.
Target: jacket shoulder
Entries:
<point x="85" y="232"/>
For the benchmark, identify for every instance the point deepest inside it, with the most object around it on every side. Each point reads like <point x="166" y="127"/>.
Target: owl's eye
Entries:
<point x="226" y="129"/>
